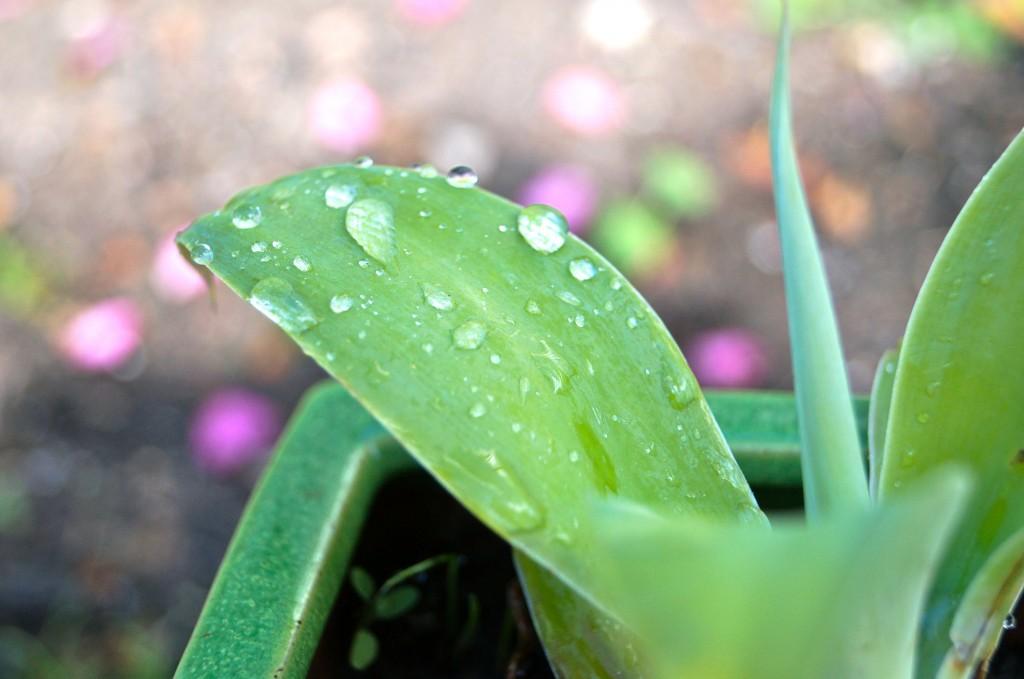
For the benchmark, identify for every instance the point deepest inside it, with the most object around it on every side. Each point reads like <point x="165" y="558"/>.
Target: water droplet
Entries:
<point x="907" y="460"/>
<point x="543" y="228"/>
<point x="631" y="322"/>
<point x="986" y="278"/>
<point x="524" y="388"/>
<point x="532" y="308"/>
<point x="279" y="302"/>
<point x="933" y="388"/>
<point x="259" y="246"/>
<point x="437" y="298"/>
<point x="276" y="244"/>
<point x="616" y="284"/>
<point x="923" y="418"/>
<point x="426" y="171"/>
<point x="1010" y="622"/>
<point x="201" y="254"/>
<point x="371" y="223"/>
<point x="247" y="217"/>
<point x="301" y="263"/>
<point x="579" y="320"/>
<point x="469" y="335"/>
<point x="338" y="196"/>
<point x="679" y="389"/>
<point x="363" y="162"/>
<point x="582" y="269"/>
<point x="495" y="359"/>
<point x="505" y="494"/>
<point x="341" y="303"/>
<point x="574" y="456"/>
<point x="462" y="177"/>
<point x="568" y="298"/>
<point x="428" y="347"/>
<point x="425" y="213"/>
<point x="478" y="410"/>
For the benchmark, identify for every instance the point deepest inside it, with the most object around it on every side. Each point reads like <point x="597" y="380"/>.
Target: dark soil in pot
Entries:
<point x="411" y="520"/>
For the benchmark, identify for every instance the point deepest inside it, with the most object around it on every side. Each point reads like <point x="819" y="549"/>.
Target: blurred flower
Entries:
<point x="732" y="358"/>
<point x="344" y="115"/>
<point x="584" y="100"/>
<point x="617" y="24"/>
<point x="430" y="12"/>
<point x="173" y="278"/>
<point x="231" y="428"/>
<point x="102" y="337"/>
<point x="566" y="187"/>
<point x="96" y="37"/>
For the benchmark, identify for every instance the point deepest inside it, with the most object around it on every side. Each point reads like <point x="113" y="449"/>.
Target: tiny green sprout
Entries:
<point x="523" y="371"/>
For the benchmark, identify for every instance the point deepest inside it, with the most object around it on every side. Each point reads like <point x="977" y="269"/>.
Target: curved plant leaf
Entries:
<point x="838" y="598"/>
<point x="579" y="639"/>
<point x="977" y="625"/>
<point x="959" y="385"/>
<point x="277" y="583"/>
<point x="529" y="384"/>
<point x="833" y="467"/>
<point x="878" y="415"/>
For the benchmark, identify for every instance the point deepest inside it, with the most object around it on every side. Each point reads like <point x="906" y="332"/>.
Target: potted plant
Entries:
<point x="529" y="378"/>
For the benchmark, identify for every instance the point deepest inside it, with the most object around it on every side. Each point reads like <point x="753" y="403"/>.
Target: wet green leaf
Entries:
<point x="579" y="639"/>
<point x="838" y="598"/>
<point x="960" y="385"/>
<point x="833" y="467"/>
<point x="878" y="415"/>
<point x="510" y="358"/>
<point x="978" y="623"/>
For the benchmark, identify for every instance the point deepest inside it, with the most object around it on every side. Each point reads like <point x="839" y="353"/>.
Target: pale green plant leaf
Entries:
<point x="839" y="598"/>
<point x="833" y="467"/>
<point x="959" y="386"/>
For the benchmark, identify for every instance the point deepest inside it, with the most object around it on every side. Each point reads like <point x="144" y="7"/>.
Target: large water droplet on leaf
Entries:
<point x="279" y="302"/>
<point x="462" y="177"/>
<point x="338" y="196"/>
<point x="201" y="254"/>
<point x="247" y="217"/>
<point x="371" y="223"/>
<point x="341" y="303"/>
<point x="437" y="298"/>
<point x="502" y="491"/>
<point x="543" y="228"/>
<point x="582" y="269"/>
<point x="469" y="335"/>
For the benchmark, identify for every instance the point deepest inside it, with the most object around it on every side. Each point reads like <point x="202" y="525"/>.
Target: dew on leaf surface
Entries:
<point x="277" y="300"/>
<point x="543" y="228"/>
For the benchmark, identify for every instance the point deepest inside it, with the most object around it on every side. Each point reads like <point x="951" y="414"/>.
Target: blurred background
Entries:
<point x="134" y="417"/>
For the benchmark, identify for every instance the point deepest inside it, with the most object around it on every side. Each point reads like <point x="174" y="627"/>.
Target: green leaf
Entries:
<point x="960" y="385"/>
<point x="277" y="583"/>
<point x="396" y="602"/>
<point x="977" y="625"/>
<point x="878" y="415"/>
<point x="363" y="651"/>
<point x="529" y="384"/>
<point x="362" y="583"/>
<point x="580" y="640"/>
<point x="833" y="468"/>
<point x="838" y="598"/>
